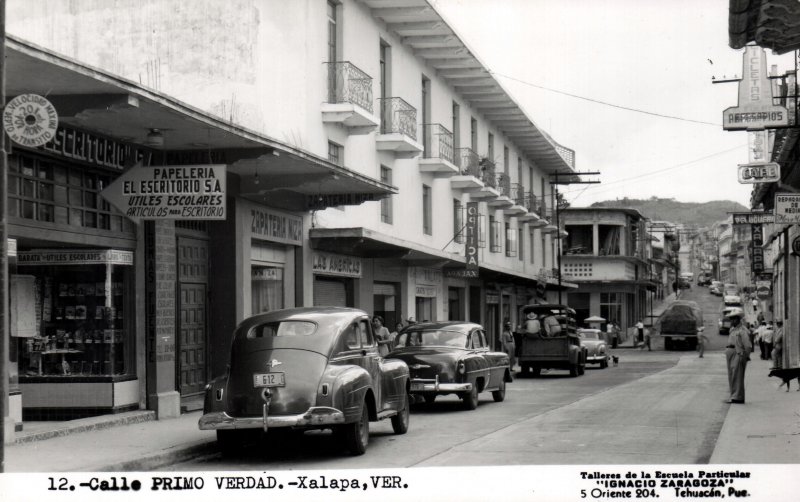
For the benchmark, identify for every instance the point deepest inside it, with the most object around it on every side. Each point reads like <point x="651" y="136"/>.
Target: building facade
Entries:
<point x="355" y="162"/>
<point x="607" y="254"/>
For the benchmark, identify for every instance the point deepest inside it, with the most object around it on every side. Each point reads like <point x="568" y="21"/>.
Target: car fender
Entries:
<point x="476" y="368"/>
<point x="396" y="376"/>
<point x="347" y="386"/>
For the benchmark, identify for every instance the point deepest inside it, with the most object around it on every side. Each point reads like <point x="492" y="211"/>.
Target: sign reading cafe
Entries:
<point x="755" y="109"/>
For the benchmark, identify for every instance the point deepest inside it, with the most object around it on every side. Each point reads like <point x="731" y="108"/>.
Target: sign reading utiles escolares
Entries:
<point x="170" y="193"/>
<point x="755" y="109"/>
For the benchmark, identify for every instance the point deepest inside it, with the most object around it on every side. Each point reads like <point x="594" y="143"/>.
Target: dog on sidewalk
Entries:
<point x="787" y="375"/>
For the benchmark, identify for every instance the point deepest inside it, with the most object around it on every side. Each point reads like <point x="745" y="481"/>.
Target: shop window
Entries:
<point x="41" y="190"/>
<point x="266" y="289"/>
<point x="84" y="325"/>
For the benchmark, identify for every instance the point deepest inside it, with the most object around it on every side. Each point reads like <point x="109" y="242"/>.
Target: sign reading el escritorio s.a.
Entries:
<point x="755" y="109"/>
<point x="169" y="193"/>
<point x="30" y="120"/>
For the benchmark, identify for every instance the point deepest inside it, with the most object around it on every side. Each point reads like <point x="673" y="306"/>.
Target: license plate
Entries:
<point x="679" y="338"/>
<point x="417" y="386"/>
<point x="269" y="380"/>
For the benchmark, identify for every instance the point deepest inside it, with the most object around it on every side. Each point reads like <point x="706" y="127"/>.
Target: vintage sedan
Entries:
<point x="306" y="368"/>
<point x="596" y="346"/>
<point x="452" y="358"/>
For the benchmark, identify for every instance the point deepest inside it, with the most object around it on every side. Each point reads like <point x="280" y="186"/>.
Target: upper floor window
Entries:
<point x="506" y="160"/>
<point x="490" y="148"/>
<point x="426" y="210"/>
<point x="511" y="240"/>
<point x="458" y="222"/>
<point x="520" y="253"/>
<point x="473" y="134"/>
<point x="335" y="153"/>
<point x="495" y="233"/>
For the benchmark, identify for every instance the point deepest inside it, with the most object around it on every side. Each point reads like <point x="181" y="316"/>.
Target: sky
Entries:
<point x="651" y="55"/>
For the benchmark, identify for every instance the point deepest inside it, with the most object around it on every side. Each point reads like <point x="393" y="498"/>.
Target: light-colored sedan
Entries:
<point x="596" y="346"/>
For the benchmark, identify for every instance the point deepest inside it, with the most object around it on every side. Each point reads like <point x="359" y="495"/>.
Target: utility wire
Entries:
<point x="659" y="171"/>
<point x="597" y="101"/>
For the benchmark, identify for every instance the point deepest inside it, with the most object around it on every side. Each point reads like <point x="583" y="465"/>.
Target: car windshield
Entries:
<point x="282" y="329"/>
<point x="590" y="335"/>
<point x="431" y="337"/>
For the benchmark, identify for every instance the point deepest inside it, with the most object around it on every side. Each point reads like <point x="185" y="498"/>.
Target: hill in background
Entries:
<point x="701" y="214"/>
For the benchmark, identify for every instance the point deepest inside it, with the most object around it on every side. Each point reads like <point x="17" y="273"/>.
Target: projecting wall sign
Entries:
<point x="763" y="172"/>
<point x="30" y="120"/>
<point x="755" y="109"/>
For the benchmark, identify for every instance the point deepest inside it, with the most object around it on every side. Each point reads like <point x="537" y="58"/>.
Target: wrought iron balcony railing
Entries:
<point x="487" y="175"/>
<point x="517" y="194"/>
<point x="438" y="142"/>
<point x="504" y="184"/>
<point x="397" y="116"/>
<point x="348" y="84"/>
<point x="468" y="162"/>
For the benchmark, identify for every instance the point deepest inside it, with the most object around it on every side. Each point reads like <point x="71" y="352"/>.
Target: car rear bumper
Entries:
<point x="313" y="417"/>
<point x="433" y="385"/>
<point x="596" y="359"/>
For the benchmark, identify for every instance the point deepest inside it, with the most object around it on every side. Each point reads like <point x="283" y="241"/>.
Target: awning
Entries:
<point x="366" y="243"/>
<point x="772" y="24"/>
<point x="94" y="100"/>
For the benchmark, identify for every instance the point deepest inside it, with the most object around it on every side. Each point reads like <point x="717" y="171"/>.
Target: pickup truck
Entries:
<point x="537" y="350"/>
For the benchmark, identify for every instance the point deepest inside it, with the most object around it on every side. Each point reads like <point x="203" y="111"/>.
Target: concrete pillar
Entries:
<point x="595" y="239"/>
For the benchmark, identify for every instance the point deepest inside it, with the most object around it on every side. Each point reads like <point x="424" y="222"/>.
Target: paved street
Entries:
<point x="655" y="407"/>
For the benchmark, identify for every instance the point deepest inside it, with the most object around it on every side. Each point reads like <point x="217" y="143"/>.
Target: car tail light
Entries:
<point x="219" y="394"/>
<point x="324" y="389"/>
<point x="461" y="368"/>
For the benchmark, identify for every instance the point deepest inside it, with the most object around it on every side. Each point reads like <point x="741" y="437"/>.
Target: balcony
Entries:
<point x="398" y="132"/>
<point x="516" y="194"/>
<point x="503" y="185"/>
<point x="477" y="175"/>
<point x="438" y="157"/>
<point x="349" y="100"/>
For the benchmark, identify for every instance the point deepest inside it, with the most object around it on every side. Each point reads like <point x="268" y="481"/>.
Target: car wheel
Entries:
<point x="471" y="398"/>
<point x="581" y="369"/>
<point x="573" y="370"/>
<point x="499" y="395"/>
<point x="429" y="398"/>
<point x="356" y="434"/>
<point x="231" y="442"/>
<point x="400" y="421"/>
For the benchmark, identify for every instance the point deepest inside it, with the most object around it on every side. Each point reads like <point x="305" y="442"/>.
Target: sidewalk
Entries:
<point x="764" y="430"/>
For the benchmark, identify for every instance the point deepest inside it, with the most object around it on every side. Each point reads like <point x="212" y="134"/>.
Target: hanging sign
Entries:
<point x="757" y="238"/>
<point x="757" y="147"/>
<point x="471" y="243"/>
<point x="30" y="120"/>
<point x="751" y="218"/>
<point x="75" y="257"/>
<point x="755" y="109"/>
<point x="764" y="172"/>
<point x="796" y="246"/>
<point x="169" y="193"/>
<point x="336" y="264"/>
<point x="787" y="208"/>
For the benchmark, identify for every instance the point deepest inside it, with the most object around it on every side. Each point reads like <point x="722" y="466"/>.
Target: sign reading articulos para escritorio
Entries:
<point x="194" y="192"/>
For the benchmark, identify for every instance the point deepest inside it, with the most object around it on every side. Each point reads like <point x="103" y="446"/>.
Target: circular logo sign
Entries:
<point x="796" y="246"/>
<point x="30" y="120"/>
<point x="762" y="293"/>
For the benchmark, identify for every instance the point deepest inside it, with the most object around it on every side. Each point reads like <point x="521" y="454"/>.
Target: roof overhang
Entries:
<point x="772" y="24"/>
<point x="93" y="100"/>
<point x="420" y="27"/>
<point x="366" y="243"/>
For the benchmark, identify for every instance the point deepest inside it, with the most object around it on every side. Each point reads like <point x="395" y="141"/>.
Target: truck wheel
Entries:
<point x="499" y="395"/>
<point x="573" y="370"/>
<point x="356" y="434"/>
<point x="581" y="369"/>
<point x="400" y="421"/>
<point x="471" y="398"/>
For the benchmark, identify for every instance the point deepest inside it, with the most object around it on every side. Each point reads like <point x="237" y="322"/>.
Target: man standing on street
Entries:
<point x="777" y="340"/>
<point x="736" y="356"/>
<point x="640" y="331"/>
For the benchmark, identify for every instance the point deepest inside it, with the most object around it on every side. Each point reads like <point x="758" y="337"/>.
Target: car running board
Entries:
<point x="386" y="414"/>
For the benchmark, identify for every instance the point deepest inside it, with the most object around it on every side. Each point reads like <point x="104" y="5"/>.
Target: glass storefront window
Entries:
<point x="266" y="289"/>
<point x="84" y="325"/>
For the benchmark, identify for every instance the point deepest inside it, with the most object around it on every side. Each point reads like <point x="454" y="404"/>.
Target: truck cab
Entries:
<point x="549" y="348"/>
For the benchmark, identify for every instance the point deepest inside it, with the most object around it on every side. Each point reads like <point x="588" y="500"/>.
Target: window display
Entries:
<point x="82" y="322"/>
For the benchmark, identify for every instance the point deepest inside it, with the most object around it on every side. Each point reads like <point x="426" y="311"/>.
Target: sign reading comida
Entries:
<point x="767" y="172"/>
<point x="169" y="193"/>
<point x="787" y="208"/>
<point x="30" y="120"/>
<point x="755" y="109"/>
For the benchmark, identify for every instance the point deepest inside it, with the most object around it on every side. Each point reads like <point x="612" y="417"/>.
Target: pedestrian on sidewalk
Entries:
<point x="507" y="342"/>
<point x="646" y="342"/>
<point x="702" y="339"/>
<point x="760" y="318"/>
<point x="777" y="351"/>
<point x="640" y="331"/>
<point x="613" y="334"/>
<point x="382" y="336"/>
<point x="760" y="339"/>
<point x="768" y="336"/>
<point x="736" y="356"/>
<point x="755" y="305"/>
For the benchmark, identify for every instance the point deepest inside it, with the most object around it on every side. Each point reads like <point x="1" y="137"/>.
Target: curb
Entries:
<point x="149" y="462"/>
<point x="87" y="425"/>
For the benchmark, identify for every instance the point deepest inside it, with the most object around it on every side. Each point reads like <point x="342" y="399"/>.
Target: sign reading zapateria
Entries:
<point x="755" y="109"/>
<point x="170" y="193"/>
<point x="30" y="120"/>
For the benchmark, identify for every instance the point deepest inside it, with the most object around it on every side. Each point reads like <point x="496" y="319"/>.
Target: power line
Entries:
<point x="658" y="171"/>
<point x="597" y="101"/>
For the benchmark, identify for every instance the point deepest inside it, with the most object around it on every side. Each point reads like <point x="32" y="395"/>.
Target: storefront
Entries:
<point x="335" y="279"/>
<point x="428" y="291"/>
